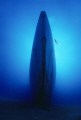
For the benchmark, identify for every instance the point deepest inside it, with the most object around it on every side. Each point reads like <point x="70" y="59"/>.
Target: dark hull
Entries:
<point x="42" y="64"/>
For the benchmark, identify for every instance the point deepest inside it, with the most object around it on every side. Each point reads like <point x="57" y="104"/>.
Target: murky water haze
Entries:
<point x="18" y="24"/>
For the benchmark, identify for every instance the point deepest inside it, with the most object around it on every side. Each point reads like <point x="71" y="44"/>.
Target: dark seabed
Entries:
<point x="21" y="111"/>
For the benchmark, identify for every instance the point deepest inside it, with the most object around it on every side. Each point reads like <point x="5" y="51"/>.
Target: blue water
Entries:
<point x="18" y="24"/>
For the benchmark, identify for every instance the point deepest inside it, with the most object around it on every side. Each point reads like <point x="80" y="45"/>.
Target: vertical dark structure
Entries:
<point x="42" y="64"/>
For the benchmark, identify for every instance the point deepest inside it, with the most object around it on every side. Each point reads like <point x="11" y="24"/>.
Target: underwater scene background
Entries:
<point x="18" y="21"/>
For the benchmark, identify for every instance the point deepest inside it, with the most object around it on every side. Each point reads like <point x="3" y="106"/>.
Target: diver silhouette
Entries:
<point x="56" y="42"/>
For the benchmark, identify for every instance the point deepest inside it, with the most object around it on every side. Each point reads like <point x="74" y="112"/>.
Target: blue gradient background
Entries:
<point x="18" y="20"/>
